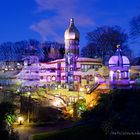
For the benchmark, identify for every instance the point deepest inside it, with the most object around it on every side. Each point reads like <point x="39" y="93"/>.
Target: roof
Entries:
<point x="80" y="59"/>
<point x="72" y="32"/>
<point x="118" y="59"/>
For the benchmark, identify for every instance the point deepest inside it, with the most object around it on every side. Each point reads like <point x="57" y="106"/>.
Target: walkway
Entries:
<point x="27" y="131"/>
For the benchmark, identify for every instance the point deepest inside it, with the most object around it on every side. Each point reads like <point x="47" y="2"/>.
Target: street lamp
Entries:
<point x="20" y="120"/>
<point x="28" y="115"/>
<point x="28" y="93"/>
<point x="19" y="93"/>
<point x="79" y="90"/>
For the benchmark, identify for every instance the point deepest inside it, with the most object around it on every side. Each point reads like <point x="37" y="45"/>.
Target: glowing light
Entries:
<point x="6" y="68"/>
<point x="81" y="97"/>
<point x="81" y="89"/>
<point x="88" y="89"/>
<point x="118" y="46"/>
<point x="111" y="72"/>
<point x="71" y="111"/>
<point x="28" y="93"/>
<point x="53" y="78"/>
<point x="111" y="75"/>
<point x="20" y="120"/>
<point x="59" y="86"/>
<point x="96" y="79"/>
<point x="56" y="103"/>
<point x="91" y="105"/>
<point x="80" y="108"/>
<point x="18" y="90"/>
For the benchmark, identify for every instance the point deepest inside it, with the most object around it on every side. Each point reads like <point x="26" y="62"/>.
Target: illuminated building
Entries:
<point x="72" y="37"/>
<point x="119" y="66"/>
<point x="70" y="72"/>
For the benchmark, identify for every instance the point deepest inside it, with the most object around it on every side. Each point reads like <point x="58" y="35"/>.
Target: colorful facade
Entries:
<point x="70" y="72"/>
<point x="119" y="66"/>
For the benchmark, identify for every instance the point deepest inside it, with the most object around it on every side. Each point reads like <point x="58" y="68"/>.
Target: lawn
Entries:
<point x="75" y="133"/>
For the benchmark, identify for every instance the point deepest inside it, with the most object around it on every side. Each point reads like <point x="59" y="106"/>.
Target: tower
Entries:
<point x="72" y="37"/>
<point x="119" y="66"/>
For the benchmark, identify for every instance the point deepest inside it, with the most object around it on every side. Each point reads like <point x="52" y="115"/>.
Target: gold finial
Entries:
<point x="118" y="46"/>
<point x="72" y="20"/>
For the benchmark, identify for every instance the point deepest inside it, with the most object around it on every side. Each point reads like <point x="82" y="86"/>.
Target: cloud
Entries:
<point x="64" y="10"/>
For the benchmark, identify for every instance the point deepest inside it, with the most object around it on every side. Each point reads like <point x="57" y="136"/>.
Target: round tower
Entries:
<point x="71" y="37"/>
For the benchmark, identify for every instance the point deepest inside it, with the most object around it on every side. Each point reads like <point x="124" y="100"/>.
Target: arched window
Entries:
<point x="53" y="78"/>
<point x="48" y="78"/>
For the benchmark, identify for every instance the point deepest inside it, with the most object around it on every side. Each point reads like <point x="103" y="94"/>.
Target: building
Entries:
<point x="119" y="66"/>
<point x="70" y="72"/>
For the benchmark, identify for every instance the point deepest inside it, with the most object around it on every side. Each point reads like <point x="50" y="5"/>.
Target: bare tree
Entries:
<point x="102" y="42"/>
<point x="53" y="50"/>
<point x="135" y="27"/>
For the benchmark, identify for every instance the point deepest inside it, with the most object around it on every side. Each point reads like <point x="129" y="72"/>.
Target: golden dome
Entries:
<point x="72" y="32"/>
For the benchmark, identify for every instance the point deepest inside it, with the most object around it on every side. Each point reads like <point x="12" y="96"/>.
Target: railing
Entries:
<point x="93" y="88"/>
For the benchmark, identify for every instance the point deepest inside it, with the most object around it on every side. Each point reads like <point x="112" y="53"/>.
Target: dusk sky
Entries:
<point x="48" y="19"/>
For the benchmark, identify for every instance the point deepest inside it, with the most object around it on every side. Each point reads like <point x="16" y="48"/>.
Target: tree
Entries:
<point x="16" y="51"/>
<point x="7" y="112"/>
<point x="53" y="50"/>
<point x="135" y="31"/>
<point x="116" y="112"/>
<point x="34" y="48"/>
<point x="135" y="27"/>
<point x="102" y="42"/>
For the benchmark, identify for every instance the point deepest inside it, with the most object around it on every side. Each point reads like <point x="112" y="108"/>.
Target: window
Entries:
<point x="63" y="77"/>
<point x="85" y="67"/>
<point x="49" y="78"/>
<point x="52" y="69"/>
<point x="41" y="77"/>
<point x="72" y="99"/>
<point x="70" y="69"/>
<point x="53" y="78"/>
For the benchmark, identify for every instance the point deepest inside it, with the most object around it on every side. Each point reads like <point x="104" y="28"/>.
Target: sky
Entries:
<point x="46" y="20"/>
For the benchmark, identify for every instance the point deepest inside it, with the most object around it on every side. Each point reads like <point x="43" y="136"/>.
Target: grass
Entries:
<point x="74" y="133"/>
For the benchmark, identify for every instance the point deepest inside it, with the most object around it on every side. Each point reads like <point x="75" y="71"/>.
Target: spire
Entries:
<point x="118" y="46"/>
<point x="71" y="25"/>
<point x="72" y="20"/>
<point x="120" y="59"/>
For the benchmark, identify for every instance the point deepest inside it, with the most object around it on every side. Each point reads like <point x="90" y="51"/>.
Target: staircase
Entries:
<point x="94" y="87"/>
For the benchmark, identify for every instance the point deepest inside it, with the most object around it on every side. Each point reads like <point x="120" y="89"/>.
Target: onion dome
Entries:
<point x="118" y="59"/>
<point x="72" y="32"/>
